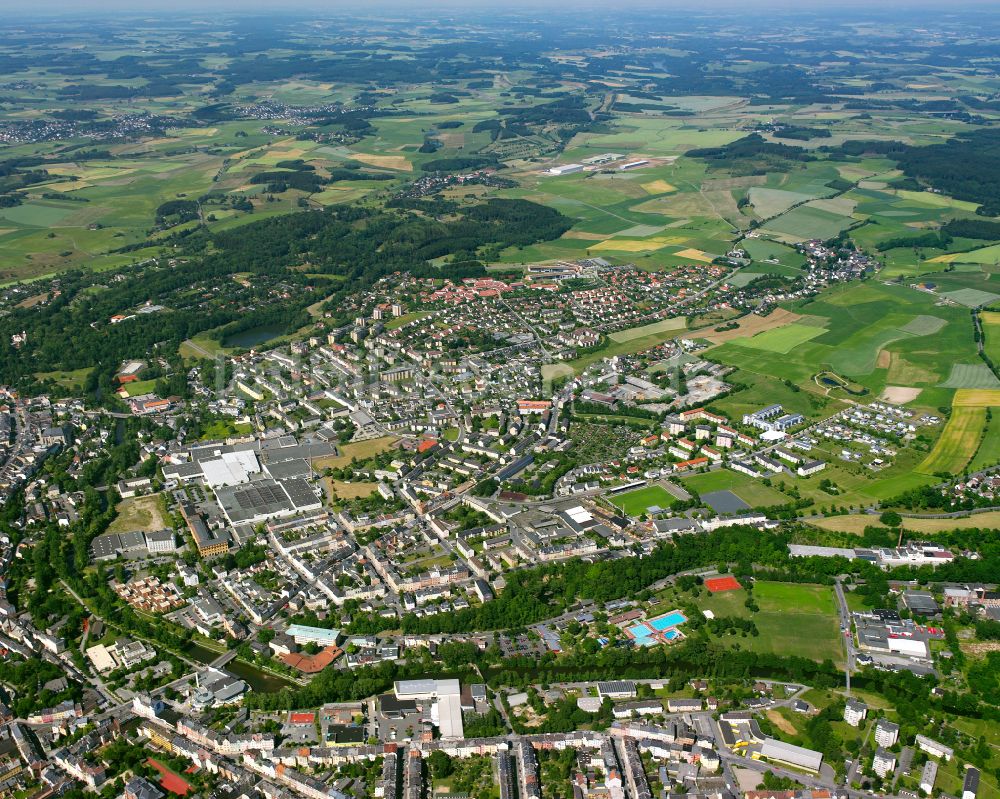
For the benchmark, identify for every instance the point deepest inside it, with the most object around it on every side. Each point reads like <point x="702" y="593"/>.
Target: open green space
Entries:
<point x="751" y="491"/>
<point x="781" y="339"/>
<point x="793" y="617"/>
<point x="642" y="500"/>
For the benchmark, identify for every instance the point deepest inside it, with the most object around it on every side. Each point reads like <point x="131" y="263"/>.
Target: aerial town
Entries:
<point x="406" y="467"/>
<point x="527" y="402"/>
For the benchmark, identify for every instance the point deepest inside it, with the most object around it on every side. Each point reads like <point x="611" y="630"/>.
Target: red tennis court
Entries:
<point x="174" y="783"/>
<point x="717" y="584"/>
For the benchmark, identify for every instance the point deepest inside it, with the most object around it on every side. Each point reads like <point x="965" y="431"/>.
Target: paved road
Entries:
<point x="844" y="612"/>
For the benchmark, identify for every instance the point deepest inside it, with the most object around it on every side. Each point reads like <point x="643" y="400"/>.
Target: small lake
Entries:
<point x="253" y="337"/>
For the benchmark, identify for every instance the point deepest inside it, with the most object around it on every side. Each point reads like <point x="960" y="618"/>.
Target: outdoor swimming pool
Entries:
<point x="661" y="629"/>
<point x="661" y="623"/>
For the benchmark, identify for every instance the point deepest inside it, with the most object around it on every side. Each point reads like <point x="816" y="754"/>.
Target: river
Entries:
<point x="257" y="679"/>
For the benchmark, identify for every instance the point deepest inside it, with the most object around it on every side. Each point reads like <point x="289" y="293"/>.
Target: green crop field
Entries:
<point x="883" y="335"/>
<point x="972" y="298"/>
<point x="797" y="618"/>
<point x="986" y="255"/>
<point x="769" y="202"/>
<point x="664" y="326"/>
<point x="766" y="250"/>
<point x="782" y="339"/>
<point x="988" y="453"/>
<point x="794" y="598"/>
<point x="808" y="222"/>
<point x="991" y="334"/>
<point x="958" y="442"/>
<point x="924" y="325"/>
<point x="971" y="375"/>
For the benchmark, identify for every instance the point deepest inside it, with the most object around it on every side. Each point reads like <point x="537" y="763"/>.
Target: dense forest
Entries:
<point x="966" y="167"/>
<point x="752" y="155"/>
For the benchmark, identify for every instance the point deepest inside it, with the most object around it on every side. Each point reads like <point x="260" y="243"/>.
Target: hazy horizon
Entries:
<point x="104" y="7"/>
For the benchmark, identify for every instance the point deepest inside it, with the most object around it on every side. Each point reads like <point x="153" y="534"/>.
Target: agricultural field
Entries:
<point x="990" y="321"/>
<point x="856" y="523"/>
<point x="885" y="335"/>
<point x="783" y="339"/>
<point x="632" y="333"/>
<point x="809" y="221"/>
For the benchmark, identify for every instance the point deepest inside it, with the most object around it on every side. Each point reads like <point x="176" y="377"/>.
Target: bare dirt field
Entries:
<point x="353" y="490"/>
<point x="361" y="450"/>
<point x="141" y="514"/>
<point x="781" y="723"/>
<point x="899" y="395"/>
<point x="750" y="326"/>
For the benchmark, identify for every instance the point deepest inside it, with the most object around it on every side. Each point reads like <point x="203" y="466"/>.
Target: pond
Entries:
<point x="254" y="336"/>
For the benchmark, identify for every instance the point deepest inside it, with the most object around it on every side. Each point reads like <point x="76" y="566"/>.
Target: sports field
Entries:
<point x="639" y="502"/>
<point x="794" y="598"/>
<point x="719" y="584"/>
<point x="170" y="781"/>
<point x="793" y="617"/>
<point x="957" y="443"/>
<point x="753" y="492"/>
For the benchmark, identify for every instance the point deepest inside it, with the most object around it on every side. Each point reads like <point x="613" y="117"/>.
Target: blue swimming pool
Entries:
<point x="662" y="623"/>
<point x="670" y="635"/>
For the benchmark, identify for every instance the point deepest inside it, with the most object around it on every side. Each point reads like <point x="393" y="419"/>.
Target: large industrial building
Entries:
<point x="445" y="697"/>
<point x="790" y="754"/>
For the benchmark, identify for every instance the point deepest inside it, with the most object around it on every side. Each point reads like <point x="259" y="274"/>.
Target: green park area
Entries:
<point x="793" y="618"/>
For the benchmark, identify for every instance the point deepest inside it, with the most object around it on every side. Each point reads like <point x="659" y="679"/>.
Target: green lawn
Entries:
<point x="794" y="598"/>
<point x="636" y="503"/>
<point x="793" y="618"/>
<point x="750" y="490"/>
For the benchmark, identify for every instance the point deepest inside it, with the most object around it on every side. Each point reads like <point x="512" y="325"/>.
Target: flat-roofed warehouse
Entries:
<point x="793" y="755"/>
<point x="449" y="716"/>
<point x="266" y="499"/>
<point x="446" y="712"/>
<point x="426" y="689"/>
